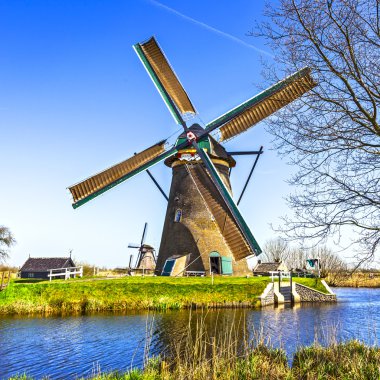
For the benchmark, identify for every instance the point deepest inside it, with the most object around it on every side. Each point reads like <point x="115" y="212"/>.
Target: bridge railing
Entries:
<point x="277" y="274"/>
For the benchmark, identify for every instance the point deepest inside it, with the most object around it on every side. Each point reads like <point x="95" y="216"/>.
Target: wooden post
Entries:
<point x="2" y="281"/>
<point x="51" y="272"/>
<point x="81" y="272"/>
<point x="291" y="288"/>
<point x="9" y="277"/>
<point x="291" y="280"/>
<point x="213" y="347"/>
<point x="279" y="280"/>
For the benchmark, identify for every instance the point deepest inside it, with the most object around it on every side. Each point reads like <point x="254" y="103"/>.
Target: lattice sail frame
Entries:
<point x="165" y="80"/>
<point x="110" y="177"/>
<point x="259" y="107"/>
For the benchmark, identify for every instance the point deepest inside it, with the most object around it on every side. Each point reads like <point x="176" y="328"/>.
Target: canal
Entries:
<point x="74" y="346"/>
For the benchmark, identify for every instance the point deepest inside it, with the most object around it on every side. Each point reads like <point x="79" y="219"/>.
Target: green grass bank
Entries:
<point x="133" y="293"/>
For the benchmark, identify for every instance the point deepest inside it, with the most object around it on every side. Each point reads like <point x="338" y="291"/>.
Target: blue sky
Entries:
<point x="75" y="99"/>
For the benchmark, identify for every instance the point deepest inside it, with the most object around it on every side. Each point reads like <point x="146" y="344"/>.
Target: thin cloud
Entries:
<point x="210" y="28"/>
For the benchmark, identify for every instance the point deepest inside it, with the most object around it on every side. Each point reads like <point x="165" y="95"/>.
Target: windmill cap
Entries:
<point x="195" y="128"/>
<point x="214" y="149"/>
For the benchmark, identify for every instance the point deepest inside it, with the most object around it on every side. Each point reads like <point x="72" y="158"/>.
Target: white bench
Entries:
<point x="200" y="273"/>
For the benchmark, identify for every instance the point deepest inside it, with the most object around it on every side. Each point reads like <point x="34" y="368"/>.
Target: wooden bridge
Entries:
<point x="5" y="279"/>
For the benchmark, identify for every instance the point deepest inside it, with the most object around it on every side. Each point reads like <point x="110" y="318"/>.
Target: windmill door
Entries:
<point x="215" y="263"/>
<point x="168" y="267"/>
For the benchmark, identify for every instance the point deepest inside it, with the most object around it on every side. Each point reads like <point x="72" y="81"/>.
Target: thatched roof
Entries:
<point x="43" y="264"/>
<point x="267" y="267"/>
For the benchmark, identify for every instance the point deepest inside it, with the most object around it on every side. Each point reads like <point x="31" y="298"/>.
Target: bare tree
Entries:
<point x="297" y="259"/>
<point x="6" y="241"/>
<point x="330" y="263"/>
<point x="332" y="134"/>
<point x="276" y="250"/>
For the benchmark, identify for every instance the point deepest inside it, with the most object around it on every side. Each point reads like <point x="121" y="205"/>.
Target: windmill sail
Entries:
<point x="221" y="214"/>
<point x="88" y="189"/>
<point x="233" y="227"/>
<point x="144" y="234"/>
<point x="249" y="113"/>
<point x="164" y="78"/>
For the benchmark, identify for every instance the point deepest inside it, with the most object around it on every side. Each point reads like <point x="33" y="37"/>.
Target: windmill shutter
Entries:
<point x="226" y="265"/>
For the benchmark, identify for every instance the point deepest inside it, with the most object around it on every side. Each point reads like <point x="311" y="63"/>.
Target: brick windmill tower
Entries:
<point x="204" y="231"/>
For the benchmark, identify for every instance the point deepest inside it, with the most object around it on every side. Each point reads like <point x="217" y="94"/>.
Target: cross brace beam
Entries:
<point x="258" y="154"/>
<point x="157" y="184"/>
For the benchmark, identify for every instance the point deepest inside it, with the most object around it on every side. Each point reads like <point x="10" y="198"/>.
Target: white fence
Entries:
<point x="66" y="272"/>
<point x="276" y="274"/>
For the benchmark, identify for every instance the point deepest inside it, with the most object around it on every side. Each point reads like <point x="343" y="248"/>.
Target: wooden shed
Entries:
<point x="264" y="269"/>
<point x="39" y="267"/>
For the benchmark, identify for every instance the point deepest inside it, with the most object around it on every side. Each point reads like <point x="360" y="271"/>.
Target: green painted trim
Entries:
<point x="231" y="204"/>
<point x="203" y="142"/>
<point x="127" y="176"/>
<point x="180" y="141"/>
<point x="256" y="99"/>
<point x="165" y="96"/>
<point x="214" y="254"/>
<point x="227" y="265"/>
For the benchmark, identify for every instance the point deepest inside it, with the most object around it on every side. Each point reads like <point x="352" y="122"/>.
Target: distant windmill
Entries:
<point x="146" y="258"/>
<point x="204" y="231"/>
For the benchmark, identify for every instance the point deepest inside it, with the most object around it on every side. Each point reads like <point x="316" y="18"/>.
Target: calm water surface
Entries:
<point x="70" y="347"/>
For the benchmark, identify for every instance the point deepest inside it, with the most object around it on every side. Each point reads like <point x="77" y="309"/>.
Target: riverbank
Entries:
<point x="134" y="293"/>
<point x="355" y="280"/>
<point x="350" y="360"/>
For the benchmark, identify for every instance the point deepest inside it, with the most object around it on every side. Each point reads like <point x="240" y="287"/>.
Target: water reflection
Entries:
<point x="68" y="347"/>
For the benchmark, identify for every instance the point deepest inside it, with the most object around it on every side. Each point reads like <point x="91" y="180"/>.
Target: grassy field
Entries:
<point x="133" y="293"/>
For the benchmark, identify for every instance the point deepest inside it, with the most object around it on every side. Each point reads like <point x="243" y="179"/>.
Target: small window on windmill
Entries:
<point x="178" y="215"/>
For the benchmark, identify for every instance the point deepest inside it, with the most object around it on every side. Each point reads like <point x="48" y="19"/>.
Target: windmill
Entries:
<point x="204" y="231"/>
<point x="146" y="258"/>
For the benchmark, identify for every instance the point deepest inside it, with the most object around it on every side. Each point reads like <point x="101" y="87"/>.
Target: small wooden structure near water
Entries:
<point x="267" y="269"/>
<point x="50" y="267"/>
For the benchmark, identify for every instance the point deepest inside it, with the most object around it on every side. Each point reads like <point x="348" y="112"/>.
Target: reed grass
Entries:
<point x="239" y="351"/>
<point x="231" y="355"/>
<point x="350" y="360"/>
<point x="132" y="293"/>
<point x="354" y="280"/>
